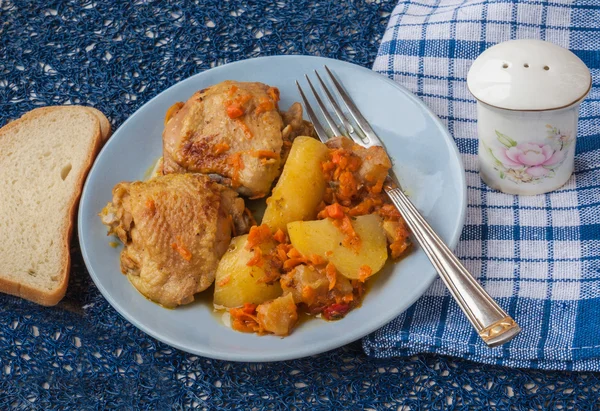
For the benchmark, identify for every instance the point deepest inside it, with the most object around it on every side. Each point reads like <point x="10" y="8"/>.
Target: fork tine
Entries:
<point x="339" y="113"/>
<point x="312" y="116"/>
<point x="354" y="111"/>
<point x="328" y="118"/>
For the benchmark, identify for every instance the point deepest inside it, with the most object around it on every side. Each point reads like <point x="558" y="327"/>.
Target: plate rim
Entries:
<point x="313" y="349"/>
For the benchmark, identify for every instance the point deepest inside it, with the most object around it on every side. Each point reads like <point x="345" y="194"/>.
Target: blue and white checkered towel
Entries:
<point x="539" y="256"/>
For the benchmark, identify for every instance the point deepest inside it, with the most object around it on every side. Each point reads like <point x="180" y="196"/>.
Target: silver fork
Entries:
<point x="491" y="322"/>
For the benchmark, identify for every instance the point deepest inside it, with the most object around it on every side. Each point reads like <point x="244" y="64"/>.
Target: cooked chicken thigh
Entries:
<point x="175" y="228"/>
<point x="234" y="132"/>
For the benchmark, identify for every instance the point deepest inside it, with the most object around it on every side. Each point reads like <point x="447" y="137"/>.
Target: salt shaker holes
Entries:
<point x="507" y="76"/>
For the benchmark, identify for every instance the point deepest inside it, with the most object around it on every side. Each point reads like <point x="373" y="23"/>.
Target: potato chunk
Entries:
<point x="236" y="283"/>
<point x="323" y="238"/>
<point x="301" y="186"/>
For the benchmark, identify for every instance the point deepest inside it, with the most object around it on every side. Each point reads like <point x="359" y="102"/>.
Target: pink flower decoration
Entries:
<point x="500" y="154"/>
<point x="530" y="155"/>
<point x="537" y="171"/>
<point x="530" y="162"/>
<point x="556" y="158"/>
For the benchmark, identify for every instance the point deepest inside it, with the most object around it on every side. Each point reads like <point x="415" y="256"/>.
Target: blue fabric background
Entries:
<point x="536" y="255"/>
<point x="81" y="354"/>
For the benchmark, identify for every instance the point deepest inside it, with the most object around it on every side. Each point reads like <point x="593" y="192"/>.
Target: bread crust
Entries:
<point x="52" y="297"/>
<point x="105" y="126"/>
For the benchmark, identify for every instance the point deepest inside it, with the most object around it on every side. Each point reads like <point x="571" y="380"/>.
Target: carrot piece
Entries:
<point x="258" y="235"/>
<point x="362" y="208"/>
<point x="244" y="128"/>
<point x="243" y="99"/>
<point x="354" y="163"/>
<point x="348" y="185"/>
<point x="352" y="240"/>
<point x="245" y="319"/>
<point x="220" y="148"/>
<point x="293" y="262"/>
<point x="257" y="259"/>
<point x="293" y="253"/>
<point x="151" y="205"/>
<point x="398" y="247"/>
<point x="279" y="236"/>
<point x="234" y="111"/>
<point x="232" y="90"/>
<point x="335" y="211"/>
<point x="281" y="251"/>
<point x="316" y="259"/>
<point x="224" y="281"/>
<point x="331" y="273"/>
<point x="376" y="189"/>
<point x="327" y="167"/>
<point x="183" y="252"/>
<point x="236" y="162"/>
<point x="364" y="272"/>
<point x="273" y="92"/>
<point x="338" y="158"/>
<point x="400" y="242"/>
<point x="264" y="106"/>
<point x="308" y="293"/>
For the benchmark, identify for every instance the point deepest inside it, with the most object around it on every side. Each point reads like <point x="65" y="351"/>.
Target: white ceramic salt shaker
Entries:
<point x="528" y="95"/>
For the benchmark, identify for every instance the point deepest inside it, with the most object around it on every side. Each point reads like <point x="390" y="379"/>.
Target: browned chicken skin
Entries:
<point x="234" y="132"/>
<point x="175" y="229"/>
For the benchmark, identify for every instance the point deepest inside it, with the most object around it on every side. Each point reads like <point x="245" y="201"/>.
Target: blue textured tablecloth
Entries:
<point x="538" y="256"/>
<point x="81" y="354"/>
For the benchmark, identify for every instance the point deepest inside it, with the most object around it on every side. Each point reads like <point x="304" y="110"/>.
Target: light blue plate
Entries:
<point x="426" y="160"/>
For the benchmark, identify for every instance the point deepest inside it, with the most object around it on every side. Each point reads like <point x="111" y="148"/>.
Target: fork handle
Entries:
<point x="491" y="322"/>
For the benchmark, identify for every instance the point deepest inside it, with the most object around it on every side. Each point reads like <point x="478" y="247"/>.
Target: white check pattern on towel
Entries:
<point x="538" y="256"/>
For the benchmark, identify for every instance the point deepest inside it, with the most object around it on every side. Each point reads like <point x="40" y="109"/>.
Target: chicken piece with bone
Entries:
<point x="234" y="132"/>
<point x="175" y="228"/>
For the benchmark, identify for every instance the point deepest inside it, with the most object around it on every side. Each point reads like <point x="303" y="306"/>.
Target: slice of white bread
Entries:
<point x="44" y="159"/>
